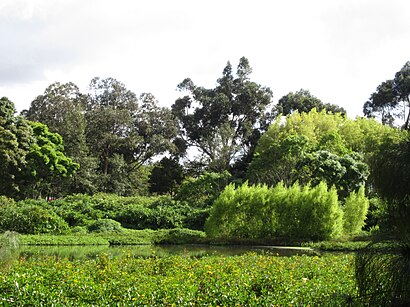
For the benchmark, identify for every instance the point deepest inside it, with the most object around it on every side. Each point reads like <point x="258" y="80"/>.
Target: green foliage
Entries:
<point x="166" y="176"/>
<point x="390" y="98"/>
<point x="105" y="225"/>
<point x="202" y="191"/>
<point x="31" y="157"/>
<point x="261" y="212"/>
<point x="304" y="101"/>
<point x="225" y="122"/>
<point x="62" y="108"/>
<point x="123" y="134"/>
<point x="29" y="218"/>
<point x="319" y="146"/>
<point x="355" y="211"/>
<point x="248" y="280"/>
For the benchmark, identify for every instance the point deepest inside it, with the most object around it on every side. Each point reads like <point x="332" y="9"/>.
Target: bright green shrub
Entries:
<point x="355" y="211"/>
<point x="259" y="212"/>
<point x="308" y="212"/>
<point x="241" y="213"/>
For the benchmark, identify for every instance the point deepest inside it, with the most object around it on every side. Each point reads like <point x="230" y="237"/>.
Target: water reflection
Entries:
<point x="84" y="252"/>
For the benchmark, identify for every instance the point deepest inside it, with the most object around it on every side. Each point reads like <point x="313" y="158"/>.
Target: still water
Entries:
<point x="84" y="252"/>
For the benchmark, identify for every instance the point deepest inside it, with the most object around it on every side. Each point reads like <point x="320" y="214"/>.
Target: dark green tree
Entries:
<point x="391" y="100"/>
<point x="31" y="157"/>
<point x="304" y="101"/>
<point x="125" y="133"/>
<point x="15" y="140"/>
<point x="224" y="123"/>
<point x="166" y="176"/>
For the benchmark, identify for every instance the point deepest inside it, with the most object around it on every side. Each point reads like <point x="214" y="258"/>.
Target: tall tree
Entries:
<point x="110" y="110"/>
<point x="15" y="139"/>
<point x="46" y="163"/>
<point x="62" y="109"/>
<point x="304" y="101"/>
<point x="391" y="100"/>
<point x="124" y="132"/>
<point x="225" y="122"/>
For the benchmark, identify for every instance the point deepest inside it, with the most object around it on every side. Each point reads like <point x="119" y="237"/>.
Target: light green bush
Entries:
<point x="355" y="211"/>
<point x="259" y="212"/>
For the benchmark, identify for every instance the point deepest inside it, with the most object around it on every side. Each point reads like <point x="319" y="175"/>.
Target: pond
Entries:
<point x="83" y="252"/>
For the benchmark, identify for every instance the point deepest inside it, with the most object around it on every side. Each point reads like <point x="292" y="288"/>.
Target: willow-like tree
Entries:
<point x="223" y="123"/>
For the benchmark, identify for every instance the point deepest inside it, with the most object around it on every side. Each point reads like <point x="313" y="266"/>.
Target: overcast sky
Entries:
<point x="339" y="50"/>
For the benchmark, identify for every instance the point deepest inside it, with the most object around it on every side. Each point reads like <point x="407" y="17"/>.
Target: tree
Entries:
<point x="15" y="139"/>
<point x="31" y="156"/>
<point x="110" y="110"/>
<point x="304" y="101"/>
<point x="310" y="148"/>
<point x="46" y="162"/>
<point x="62" y="109"/>
<point x="225" y="122"/>
<point x="391" y="99"/>
<point x="166" y="176"/>
<point x="125" y="134"/>
<point x="154" y="129"/>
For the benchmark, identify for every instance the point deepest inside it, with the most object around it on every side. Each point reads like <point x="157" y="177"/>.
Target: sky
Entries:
<point x="339" y="50"/>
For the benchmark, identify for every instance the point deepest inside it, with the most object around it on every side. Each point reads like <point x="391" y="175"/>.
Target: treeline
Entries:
<point x="109" y="140"/>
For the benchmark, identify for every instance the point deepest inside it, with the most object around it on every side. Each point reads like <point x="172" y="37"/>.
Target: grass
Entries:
<point x="248" y="280"/>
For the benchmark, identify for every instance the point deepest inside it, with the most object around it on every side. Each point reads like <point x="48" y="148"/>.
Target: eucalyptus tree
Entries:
<point x="225" y="122"/>
<point x="125" y="132"/>
<point x="391" y="100"/>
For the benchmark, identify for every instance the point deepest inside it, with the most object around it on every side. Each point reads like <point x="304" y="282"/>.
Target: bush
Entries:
<point x="259" y="212"/>
<point x="27" y="218"/>
<point x="105" y="225"/>
<point x="355" y="211"/>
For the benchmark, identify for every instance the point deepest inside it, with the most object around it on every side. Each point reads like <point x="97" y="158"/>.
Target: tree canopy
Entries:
<point x="225" y="122"/>
<point x="391" y="100"/>
<point x="30" y="155"/>
<point x="310" y="148"/>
